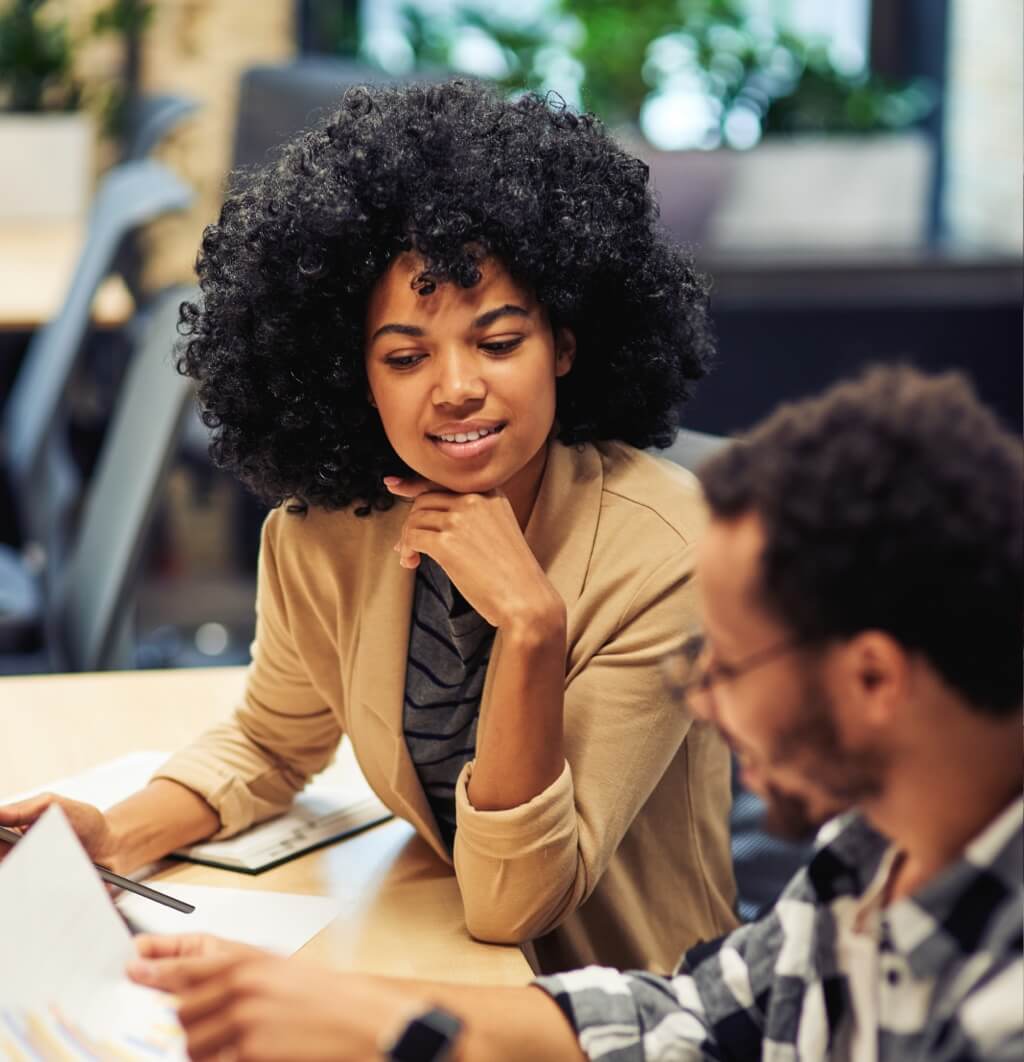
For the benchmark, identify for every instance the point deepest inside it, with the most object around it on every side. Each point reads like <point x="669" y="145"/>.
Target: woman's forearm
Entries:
<point x="155" y="821"/>
<point x="520" y="747"/>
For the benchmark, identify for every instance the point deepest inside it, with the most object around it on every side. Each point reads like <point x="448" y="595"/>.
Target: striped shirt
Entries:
<point x="949" y="984"/>
<point x="449" y="647"/>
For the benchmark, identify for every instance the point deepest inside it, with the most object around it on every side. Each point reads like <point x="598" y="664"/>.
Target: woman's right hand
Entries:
<point x="89" y="824"/>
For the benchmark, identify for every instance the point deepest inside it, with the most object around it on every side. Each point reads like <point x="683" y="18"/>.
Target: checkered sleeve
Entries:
<point x="713" y="1008"/>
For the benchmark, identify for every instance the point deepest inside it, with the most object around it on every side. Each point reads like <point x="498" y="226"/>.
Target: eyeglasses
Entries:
<point x="684" y="673"/>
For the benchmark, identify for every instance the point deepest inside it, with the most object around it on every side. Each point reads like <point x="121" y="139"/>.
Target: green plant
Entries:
<point x="740" y="76"/>
<point x="35" y="60"/>
<point x="37" y="48"/>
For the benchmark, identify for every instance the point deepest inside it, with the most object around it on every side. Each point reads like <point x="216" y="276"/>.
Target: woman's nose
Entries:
<point x="458" y="379"/>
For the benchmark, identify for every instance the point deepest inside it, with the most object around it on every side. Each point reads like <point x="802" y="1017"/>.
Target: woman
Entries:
<point x="431" y="336"/>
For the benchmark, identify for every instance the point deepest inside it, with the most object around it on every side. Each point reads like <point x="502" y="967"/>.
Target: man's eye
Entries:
<point x="404" y="361"/>
<point x="501" y="346"/>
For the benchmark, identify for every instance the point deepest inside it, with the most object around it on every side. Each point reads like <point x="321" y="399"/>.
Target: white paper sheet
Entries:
<point x="280" y="921"/>
<point x="63" y="992"/>
<point x="337" y="801"/>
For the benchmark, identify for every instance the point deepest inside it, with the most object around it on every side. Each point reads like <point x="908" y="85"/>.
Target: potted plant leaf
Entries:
<point x="758" y="136"/>
<point x="48" y="117"/>
<point x="46" y="140"/>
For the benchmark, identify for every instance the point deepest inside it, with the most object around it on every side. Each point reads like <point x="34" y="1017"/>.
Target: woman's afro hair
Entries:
<point x="453" y="172"/>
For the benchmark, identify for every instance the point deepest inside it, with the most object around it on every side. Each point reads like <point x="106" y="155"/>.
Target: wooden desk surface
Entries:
<point x="36" y="262"/>
<point x="403" y="912"/>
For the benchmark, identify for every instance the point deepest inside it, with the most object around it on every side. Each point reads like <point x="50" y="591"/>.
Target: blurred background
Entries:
<point x="848" y="172"/>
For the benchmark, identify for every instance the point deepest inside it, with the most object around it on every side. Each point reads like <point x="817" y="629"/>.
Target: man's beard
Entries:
<point x="845" y="776"/>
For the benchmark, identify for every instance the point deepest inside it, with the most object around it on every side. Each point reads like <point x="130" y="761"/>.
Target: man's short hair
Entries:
<point x="894" y="503"/>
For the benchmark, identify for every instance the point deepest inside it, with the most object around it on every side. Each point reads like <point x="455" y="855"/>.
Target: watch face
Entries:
<point x="420" y="1043"/>
<point x="426" y="1038"/>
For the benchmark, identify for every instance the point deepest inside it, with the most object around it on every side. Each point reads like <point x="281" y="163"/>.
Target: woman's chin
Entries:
<point x="467" y="484"/>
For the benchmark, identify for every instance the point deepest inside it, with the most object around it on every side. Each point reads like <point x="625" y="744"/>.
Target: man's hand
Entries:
<point x="168" y="961"/>
<point x="256" y="1007"/>
<point x="477" y="540"/>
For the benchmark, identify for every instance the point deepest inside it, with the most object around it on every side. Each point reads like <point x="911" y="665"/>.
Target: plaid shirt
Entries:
<point x="951" y="984"/>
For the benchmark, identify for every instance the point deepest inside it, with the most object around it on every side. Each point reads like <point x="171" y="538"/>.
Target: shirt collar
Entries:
<point x="973" y="905"/>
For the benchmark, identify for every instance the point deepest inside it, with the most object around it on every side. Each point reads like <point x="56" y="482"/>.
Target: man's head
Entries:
<point x="875" y="538"/>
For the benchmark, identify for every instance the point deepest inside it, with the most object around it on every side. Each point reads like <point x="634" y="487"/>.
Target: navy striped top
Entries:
<point x="449" y="647"/>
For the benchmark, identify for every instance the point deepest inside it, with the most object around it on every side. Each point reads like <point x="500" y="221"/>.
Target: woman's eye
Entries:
<point x="501" y="346"/>
<point x="404" y="361"/>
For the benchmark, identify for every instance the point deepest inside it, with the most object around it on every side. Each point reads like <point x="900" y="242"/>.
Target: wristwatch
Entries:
<point x="427" y="1037"/>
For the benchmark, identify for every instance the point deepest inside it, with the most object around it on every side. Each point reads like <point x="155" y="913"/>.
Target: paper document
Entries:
<point x="63" y="992"/>
<point x="336" y="803"/>
<point x="280" y="921"/>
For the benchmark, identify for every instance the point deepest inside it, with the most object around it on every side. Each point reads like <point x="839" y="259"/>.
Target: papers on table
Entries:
<point x="280" y="921"/>
<point x="336" y="803"/>
<point x="63" y="993"/>
<point x="64" y="947"/>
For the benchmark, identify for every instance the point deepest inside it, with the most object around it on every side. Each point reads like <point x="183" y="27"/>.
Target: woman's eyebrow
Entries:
<point x="508" y="310"/>
<point x="396" y="329"/>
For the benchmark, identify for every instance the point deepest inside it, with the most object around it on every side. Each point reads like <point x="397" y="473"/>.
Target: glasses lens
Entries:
<point x="679" y="668"/>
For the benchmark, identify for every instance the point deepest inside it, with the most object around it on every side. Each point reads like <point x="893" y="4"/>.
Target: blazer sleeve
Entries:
<point x="250" y="767"/>
<point x="523" y="870"/>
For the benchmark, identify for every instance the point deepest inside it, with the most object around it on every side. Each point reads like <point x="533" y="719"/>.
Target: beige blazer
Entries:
<point x="624" y="860"/>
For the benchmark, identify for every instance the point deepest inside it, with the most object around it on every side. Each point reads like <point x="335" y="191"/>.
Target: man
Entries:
<point x="862" y="594"/>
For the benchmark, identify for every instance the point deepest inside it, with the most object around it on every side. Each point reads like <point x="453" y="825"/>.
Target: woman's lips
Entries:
<point x="465" y="450"/>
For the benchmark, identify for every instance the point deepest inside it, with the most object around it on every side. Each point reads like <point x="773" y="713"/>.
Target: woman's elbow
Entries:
<point x="515" y="916"/>
<point x="491" y="924"/>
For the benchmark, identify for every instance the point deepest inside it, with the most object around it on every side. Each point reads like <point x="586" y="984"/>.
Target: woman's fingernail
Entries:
<point x="139" y="970"/>
<point x="392" y="481"/>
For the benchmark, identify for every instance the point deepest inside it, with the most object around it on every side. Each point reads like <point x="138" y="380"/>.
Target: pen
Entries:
<point x="13" y="837"/>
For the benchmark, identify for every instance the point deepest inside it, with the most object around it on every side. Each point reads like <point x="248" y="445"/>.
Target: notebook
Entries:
<point x="337" y="803"/>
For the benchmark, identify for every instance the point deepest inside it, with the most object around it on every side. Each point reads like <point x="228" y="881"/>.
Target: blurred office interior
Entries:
<point x="847" y="172"/>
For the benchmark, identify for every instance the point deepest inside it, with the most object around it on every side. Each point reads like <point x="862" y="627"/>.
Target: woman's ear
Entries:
<point x="565" y="350"/>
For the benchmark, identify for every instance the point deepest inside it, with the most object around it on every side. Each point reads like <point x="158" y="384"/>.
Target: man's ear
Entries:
<point x="565" y="350"/>
<point x="878" y="675"/>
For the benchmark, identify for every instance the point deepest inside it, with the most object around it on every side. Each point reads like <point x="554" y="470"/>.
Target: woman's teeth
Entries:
<point x="469" y="436"/>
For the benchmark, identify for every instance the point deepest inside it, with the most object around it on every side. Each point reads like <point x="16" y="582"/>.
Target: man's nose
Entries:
<point x="458" y="379"/>
<point x="699" y="702"/>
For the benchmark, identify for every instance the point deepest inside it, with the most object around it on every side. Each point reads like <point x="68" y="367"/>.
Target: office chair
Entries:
<point x="43" y="480"/>
<point x="692" y="447"/>
<point x="91" y="606"/>
<point x="763" y="864"/>
<point x="153" y="117"/>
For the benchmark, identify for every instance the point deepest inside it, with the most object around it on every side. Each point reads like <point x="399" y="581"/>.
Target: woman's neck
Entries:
<point x="522" y="489"/>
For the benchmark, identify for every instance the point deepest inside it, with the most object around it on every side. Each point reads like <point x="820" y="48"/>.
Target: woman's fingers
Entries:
<point x="420" y="524"/>
<point x="88" y="822"/>
<point x="410" y="487"/>
<point x="25" y="812"/>
<point x="430" y="512"/>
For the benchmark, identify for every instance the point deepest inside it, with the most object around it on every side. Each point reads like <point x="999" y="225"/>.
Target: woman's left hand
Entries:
<point x="477" y="540"/>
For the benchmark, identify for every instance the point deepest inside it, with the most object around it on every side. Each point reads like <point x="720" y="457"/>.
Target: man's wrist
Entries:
<point x="425" y="1033"/>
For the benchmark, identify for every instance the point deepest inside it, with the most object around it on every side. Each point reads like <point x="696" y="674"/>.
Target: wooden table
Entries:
<point x="36" y="262"/>
<point x="402" y="913"/>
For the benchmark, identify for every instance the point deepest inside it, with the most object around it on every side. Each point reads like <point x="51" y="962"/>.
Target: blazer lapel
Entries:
<point x="563" y="525"/>
<point x="561" y="530"/>
<point x="378" y="675"/>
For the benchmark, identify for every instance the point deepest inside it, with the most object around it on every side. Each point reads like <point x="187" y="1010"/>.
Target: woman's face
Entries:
<point x="463" y="378"/>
